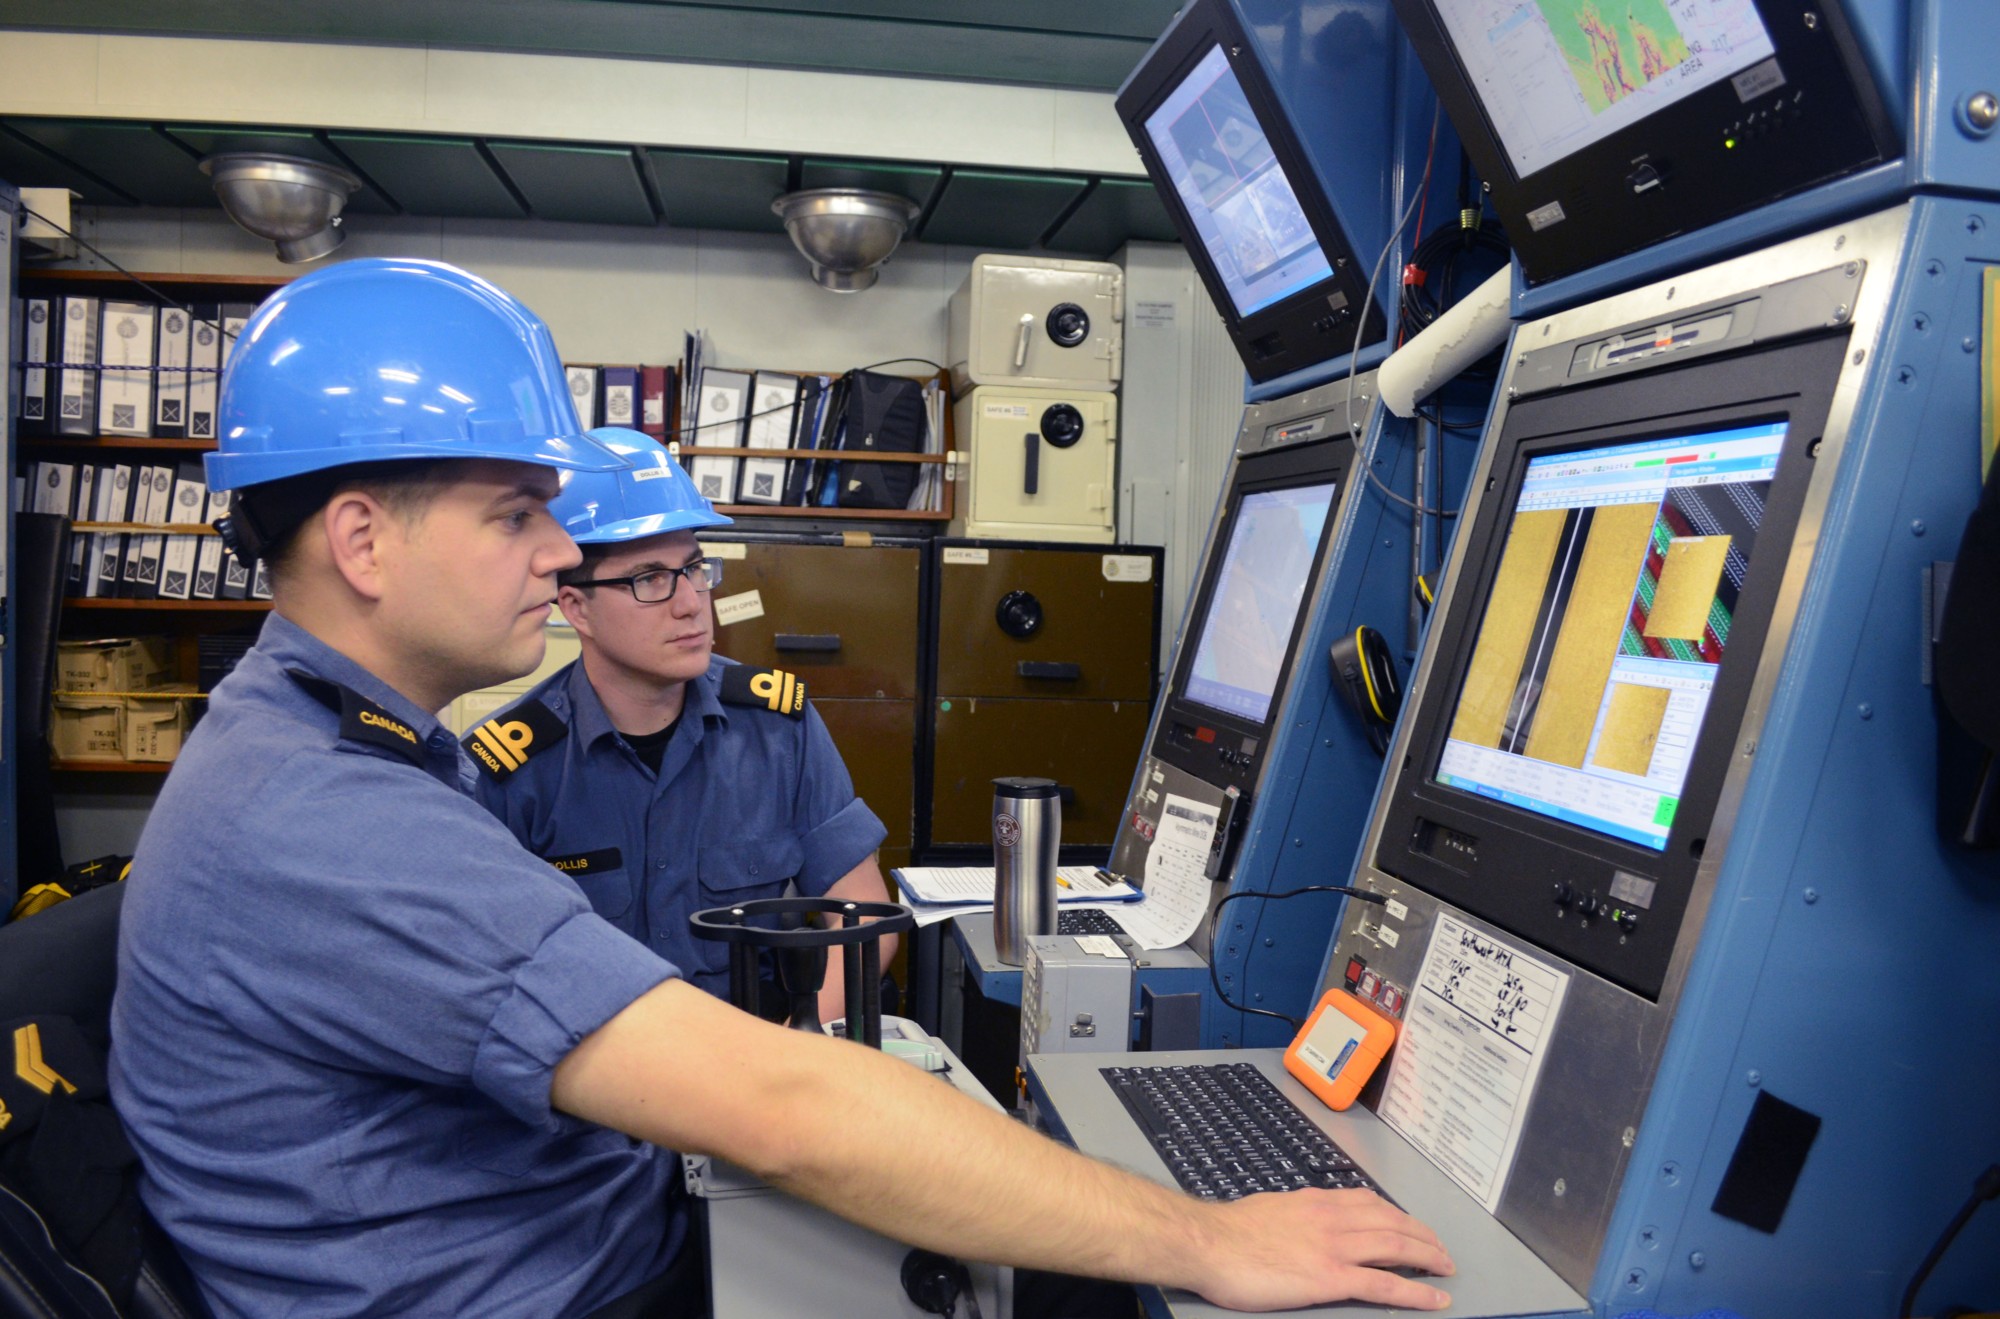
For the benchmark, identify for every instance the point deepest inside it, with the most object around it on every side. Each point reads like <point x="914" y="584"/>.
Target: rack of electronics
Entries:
<point x="1329" y="507"/>
<point x="1673" y="790"/>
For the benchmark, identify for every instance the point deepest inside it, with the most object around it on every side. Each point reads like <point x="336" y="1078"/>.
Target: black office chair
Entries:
<point x="63" y="963"/>
<point x="41" y="561"/>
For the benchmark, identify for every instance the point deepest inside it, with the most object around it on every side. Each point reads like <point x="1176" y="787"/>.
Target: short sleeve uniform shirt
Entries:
<point x="746" y="802"/>
<point x="343" y="990"/>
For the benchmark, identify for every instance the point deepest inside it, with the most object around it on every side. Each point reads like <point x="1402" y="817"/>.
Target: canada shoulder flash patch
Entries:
<point x="362" y="720"/>
<point x="773" y="689"/>
<point x="503" y="744"/>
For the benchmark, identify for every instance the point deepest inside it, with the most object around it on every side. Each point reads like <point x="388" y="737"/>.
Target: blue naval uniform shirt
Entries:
<point x="343" y="990"/>
<point x="746" y="800"/>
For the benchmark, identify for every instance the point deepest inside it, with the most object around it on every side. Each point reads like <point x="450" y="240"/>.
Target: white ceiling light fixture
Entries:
<point x="294" y="203"/>
<point x="846" y="233"/>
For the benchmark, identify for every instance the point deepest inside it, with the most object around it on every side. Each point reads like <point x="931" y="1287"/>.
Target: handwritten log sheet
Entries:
<point x="1471" y="1046"/>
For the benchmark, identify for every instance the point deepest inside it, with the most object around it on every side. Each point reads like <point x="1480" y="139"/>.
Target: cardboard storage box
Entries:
<point x="87" y="728"/>
<point x="155" y="726"/>
<point x="112" y="664"/>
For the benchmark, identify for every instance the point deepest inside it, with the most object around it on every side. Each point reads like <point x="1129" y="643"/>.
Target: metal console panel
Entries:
<point x="1074" y="1000"/>
<point x="1497" y="1275"/>
<point x="1641" y="1105"/>
<point x="1599" y="1071"/>
<point x="825" y="1265"/>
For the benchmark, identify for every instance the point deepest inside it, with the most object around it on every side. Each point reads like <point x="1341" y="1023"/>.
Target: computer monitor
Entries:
<point x="1227" y="161"/>
<point x="1605" y="627"/>
<point x="1246" y="634"/>
<point x="1249" y="607"/>
<point x="1568" y="747"/>
<point x="1603" y="128"/>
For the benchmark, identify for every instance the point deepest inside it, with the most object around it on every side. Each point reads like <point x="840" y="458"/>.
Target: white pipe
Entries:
<point x="1474" y="327"/>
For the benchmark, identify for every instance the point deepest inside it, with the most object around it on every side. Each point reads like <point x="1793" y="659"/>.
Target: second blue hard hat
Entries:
<point x="378" y="360"/>
<point x="649" y="496"/>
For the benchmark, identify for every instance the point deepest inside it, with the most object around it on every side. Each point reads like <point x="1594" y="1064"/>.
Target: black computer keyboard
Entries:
<point x="1087" y="922"/>
<point x="1226" y="1132"/>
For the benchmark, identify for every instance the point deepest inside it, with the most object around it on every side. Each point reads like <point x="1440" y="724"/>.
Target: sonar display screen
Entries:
<point x="1556" y="76"/>
<point x="1605" y="626"/>
<point x="1235" y="192"/>
<point x="1255" y="605"/>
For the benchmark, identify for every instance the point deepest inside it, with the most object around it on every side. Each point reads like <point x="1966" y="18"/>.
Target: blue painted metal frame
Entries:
<point x="1363" y="109"/>
<point x="10" y="710"/>
<point x="1931" y="56"/>
<point x="1847" y="962"/>
<point x="1272" y="955"/>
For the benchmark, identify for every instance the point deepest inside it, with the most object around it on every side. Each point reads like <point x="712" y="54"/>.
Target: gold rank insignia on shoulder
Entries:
<point x="774" y="689"/>
<point x="504" y="743"/>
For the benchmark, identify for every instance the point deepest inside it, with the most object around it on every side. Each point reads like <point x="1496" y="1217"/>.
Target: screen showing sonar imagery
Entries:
<point x="1606" y="625"/>
<point x="1556" y="76"/>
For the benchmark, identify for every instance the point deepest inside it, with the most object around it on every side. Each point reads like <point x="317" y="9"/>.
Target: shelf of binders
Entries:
<point x="947" y="460"/>
<point x="936" y="466"/>
<point x="134" y="351"/>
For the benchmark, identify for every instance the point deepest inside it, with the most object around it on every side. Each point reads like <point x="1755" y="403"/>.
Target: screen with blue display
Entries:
<point x="1605" y="627"/>
<point x="1236" y="193"/>
<point x="1247" y="631"/>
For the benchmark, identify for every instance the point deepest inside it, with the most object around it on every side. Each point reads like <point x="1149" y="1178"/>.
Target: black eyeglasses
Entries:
<point x="659" y="584"/>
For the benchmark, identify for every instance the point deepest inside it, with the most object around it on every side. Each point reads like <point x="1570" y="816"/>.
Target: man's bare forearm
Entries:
<point x="901" y="1152"/>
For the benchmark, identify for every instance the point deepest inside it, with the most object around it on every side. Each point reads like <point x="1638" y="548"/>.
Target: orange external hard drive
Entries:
<point x="1337" y="1051"/>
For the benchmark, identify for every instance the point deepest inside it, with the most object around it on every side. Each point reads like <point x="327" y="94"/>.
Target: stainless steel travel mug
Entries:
<point x="1027" y="828"/>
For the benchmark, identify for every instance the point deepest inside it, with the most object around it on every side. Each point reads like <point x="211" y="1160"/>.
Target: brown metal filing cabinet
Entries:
<point x="1043" y="664"/>
<point x="845" y="614"/>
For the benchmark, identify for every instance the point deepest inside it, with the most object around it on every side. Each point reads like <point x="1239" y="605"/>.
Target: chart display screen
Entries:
<point x="1236" y="193"/>
<point x="1605" y="627"/>
<point x="1247" y="632"/>
<point x="1556" y="76"/>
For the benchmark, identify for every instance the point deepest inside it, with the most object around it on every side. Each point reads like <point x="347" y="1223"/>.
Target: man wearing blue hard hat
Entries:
<point x="661" y="778"/>
<point x="375" y="1057"/>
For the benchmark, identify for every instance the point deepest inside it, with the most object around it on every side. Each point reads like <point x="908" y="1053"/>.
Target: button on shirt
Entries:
<point x="343" y="990"/>
<point x="745" y="801"/>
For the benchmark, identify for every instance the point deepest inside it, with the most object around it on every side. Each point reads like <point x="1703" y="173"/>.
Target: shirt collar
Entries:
<point x="590" y="722"/>
<point x="295" y="648"/>
<point x="292" y="647"/>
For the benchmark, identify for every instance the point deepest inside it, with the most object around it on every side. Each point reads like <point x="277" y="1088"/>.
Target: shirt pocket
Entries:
<point x="742" y="871"/>
<point x="603" y="877"/>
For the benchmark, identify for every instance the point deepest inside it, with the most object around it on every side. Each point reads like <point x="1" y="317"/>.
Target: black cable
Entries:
<point x="1428" y="286"/>
<point x="1985" y="1187"/>
<point x="1214" y="918"/>
<point x="84" y="243"/>
<point x="1354" y="358"/>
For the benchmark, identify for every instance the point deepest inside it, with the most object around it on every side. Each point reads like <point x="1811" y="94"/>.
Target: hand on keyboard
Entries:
<point x="1308" y="1247"/>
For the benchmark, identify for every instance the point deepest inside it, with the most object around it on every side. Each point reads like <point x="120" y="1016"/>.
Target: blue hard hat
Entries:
<point x="649" y="496"/>
<point x="377" y="360"/>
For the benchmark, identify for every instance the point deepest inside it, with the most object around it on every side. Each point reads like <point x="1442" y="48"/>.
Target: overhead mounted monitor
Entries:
<point x="1605" y="127"/>
<point x="1569" y="742"/>
<point x="1224" y="153"/>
